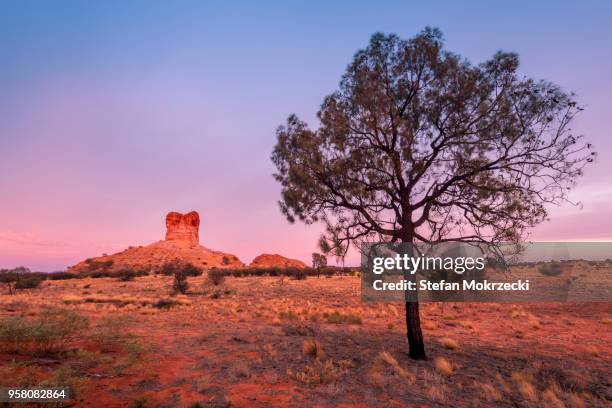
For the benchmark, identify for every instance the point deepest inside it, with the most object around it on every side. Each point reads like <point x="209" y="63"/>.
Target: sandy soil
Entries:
<point x="263" y="341"/>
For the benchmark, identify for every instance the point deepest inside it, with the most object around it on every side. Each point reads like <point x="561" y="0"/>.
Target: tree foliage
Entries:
<point x="419" y="145"/>
<point x="318" y="260"/>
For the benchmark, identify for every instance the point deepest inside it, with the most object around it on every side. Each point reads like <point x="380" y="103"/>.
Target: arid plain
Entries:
<point x="274" y="341"/>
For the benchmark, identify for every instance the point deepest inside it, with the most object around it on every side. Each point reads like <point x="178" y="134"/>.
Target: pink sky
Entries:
<point x="111" y="116"/>
<point x="81" y="188"/>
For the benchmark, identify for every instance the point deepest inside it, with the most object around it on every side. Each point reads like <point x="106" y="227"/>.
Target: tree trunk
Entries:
<point x="416" y="346"/>
<point x="413" y="331"/>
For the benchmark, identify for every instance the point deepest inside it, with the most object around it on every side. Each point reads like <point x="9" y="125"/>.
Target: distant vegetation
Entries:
<point x="22" y="278"/>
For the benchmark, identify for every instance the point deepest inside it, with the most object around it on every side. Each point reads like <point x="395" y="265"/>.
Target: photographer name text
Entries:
<point x="466" y="285"/>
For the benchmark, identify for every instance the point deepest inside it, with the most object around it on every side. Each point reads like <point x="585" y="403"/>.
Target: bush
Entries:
<point x="192" y="270"/>
<point x="44" y="335"/>
<point x="170" y="268"/>
<point x="28" y="282"/>
<point x="62" y="276"/>
<point x="20" y="278"/>
<point x="126" y="275"/>
<point x="299" y="274"/>
<point x="216" y="276"/>
<point x="180" y="284"/>
<point x="97" y="274"/>
<point x="165" y="304"/>
<point x="550" y="269"/>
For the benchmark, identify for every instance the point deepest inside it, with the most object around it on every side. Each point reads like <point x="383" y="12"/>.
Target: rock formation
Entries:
<point x="275" y="260"/>
<point x="183" y="227"/>
<point x="181" y="243"/>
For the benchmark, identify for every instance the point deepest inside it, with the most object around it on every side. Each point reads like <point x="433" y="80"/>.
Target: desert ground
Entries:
<point x="271" y="341"/>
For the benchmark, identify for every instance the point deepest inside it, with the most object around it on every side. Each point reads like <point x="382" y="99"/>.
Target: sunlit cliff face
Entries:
<point x="183" y="227"/>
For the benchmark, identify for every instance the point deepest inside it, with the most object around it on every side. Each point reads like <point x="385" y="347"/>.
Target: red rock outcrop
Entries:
<point x="183" y="227"/>
<point x="182" y="243"/>
<point x="275" y="260"/>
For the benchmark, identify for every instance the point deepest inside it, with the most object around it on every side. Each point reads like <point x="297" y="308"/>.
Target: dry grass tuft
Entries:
<point x="429" y="325"/>
<point x="524" y="386"/>
<point x="443" y="366"/>
<point x="488" y="392"/>
<point x="312" y="348"/>
<point x="341" y="318"/>
<point x="592" y="350"/>
<point x="576" y="401"/>
<point x="322" y="372"/>
<point x="438" y="393"/>
<point x="534" y="322"/>
<point x="550" y="399"/>
<point x="606" y="320"/>
<point x="399" y="370"/>
<point x="449" y="343"/>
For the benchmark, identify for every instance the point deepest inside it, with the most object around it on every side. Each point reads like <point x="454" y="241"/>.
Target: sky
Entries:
<point x="114" y="113"/>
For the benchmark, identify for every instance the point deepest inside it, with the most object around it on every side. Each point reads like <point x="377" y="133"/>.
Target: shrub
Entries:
<point x="180" y="284"/>
<point x="550" y="269"/>
<point x="169" y="268"/>
<point x="274" y="271"/>
<point x="20" y="278"/>
<point x="191" y="270"/>
<point x="28" y="282"/>
<point x="165" y="304"/>
<point x="188" y="269"/>
<point x="94" y="266"/>
<point x="216" y="276"/>
<point x="98" y="274"/>
<point x="126" y="275"/>
<point x="299" y="274"/>
<point x="43" y="335"/>
<point x="328" y="272"/>
<point x="62" y="275"/>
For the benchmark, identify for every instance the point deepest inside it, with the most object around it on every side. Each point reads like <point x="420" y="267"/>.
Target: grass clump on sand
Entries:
<point x="341" y="318"/>
<point x="449" y="343"/>
<point x="443" y="366"/>
<point x="312" y="348"/>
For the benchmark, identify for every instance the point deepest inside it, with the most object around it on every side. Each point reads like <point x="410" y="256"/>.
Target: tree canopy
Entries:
<point x="419" y="145"/>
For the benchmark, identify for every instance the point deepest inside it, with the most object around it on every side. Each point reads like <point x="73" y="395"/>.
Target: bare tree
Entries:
<point x="418" y="145"/>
